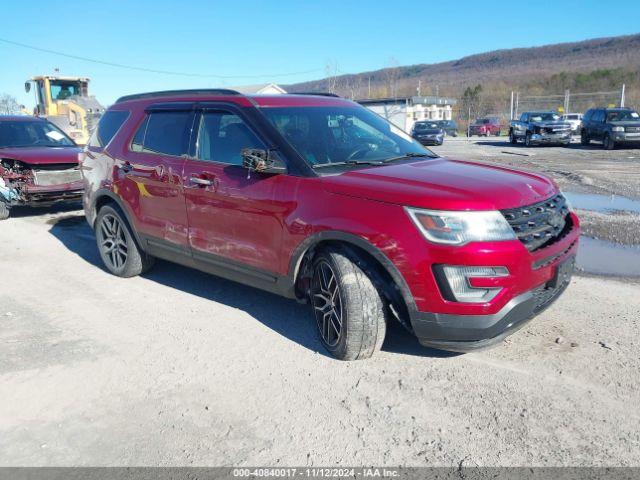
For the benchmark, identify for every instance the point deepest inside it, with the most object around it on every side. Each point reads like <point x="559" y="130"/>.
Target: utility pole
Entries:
<point x="622" y="96"/>
<point x="567" y="95"/>
<point x="369" y="96"/>
<point x="419" y="85"/>
<point x="511" y="110"/>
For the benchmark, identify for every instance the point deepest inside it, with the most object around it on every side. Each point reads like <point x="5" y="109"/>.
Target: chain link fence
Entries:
<point x="569" y="102"/>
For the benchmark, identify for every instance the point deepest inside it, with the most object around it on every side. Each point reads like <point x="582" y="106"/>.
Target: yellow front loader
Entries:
<point x="65" y="101"/>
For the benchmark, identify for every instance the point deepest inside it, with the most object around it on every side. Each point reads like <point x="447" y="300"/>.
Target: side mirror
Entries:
<point x="27" y="87"/>
<point x="262" y="161"/>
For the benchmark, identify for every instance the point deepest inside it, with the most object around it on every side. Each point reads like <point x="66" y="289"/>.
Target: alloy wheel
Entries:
<point x="327" y="304"/>
<point x="113" y="241"/>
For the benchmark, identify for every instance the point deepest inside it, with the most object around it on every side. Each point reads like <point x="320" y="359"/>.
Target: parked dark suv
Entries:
<point x="319" y="199"/>
<point x="611" y="126"/>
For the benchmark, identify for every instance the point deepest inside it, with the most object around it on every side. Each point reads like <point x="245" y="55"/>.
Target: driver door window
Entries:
<point x="222" y="136"/>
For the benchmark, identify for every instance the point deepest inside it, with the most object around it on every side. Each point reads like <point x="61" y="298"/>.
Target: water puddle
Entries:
<point x="602" y="203"/>
<point x="607" y="258"/>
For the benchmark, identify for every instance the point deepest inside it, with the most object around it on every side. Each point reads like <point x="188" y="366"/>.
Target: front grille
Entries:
<point x="632" y="129"/>
<point x="540" y="224"/>
<point x="48" y="178"/>
<point x="555" y="129"/>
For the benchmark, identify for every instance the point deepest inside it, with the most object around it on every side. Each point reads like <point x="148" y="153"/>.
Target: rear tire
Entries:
<point x="118" y="249"/>
<point x="584" y="138"/>
<point x="512" y="138"/>
<point x="4" y="211"/>
<point x="348" y="308"/>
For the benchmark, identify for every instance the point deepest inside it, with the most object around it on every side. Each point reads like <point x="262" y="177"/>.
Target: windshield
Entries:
<point x="62" y="90"/>
<point x="427" y="126"/>
<point x="336" y="134"/>
<point x="622" y="115"/>
<point x="23" y="133"/>
<point x="544" y="117"/>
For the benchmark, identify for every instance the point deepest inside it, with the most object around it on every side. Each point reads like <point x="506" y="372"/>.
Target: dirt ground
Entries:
<point x="181" y="368"/>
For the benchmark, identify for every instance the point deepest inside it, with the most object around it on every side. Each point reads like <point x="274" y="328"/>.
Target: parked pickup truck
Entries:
<point x="535" y="128"/>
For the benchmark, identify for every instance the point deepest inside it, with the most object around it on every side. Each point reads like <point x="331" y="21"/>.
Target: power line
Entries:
<point x="151" y="70"/>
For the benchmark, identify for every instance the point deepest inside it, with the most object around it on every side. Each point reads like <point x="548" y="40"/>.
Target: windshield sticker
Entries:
<point x="57" y="136"/>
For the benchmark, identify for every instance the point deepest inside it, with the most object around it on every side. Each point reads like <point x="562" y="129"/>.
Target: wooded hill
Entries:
<point x="586" y="66"/>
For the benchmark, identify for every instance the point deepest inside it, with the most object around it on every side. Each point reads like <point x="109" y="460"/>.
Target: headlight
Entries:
<point x="459" y="228"/>
<point x="617" y="129"/>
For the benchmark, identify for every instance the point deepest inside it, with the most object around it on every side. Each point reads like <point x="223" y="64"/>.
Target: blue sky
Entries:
<point x="268" y="41"/>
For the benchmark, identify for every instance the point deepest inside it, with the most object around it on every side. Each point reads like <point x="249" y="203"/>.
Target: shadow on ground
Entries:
<point x="287" y="317"/>
<point x="21" y="212"/>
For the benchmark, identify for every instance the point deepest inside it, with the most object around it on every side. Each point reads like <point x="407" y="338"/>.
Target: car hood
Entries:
<point x="444" y="184"/>
<point x="42" y="155"/>
<point x="564" y="123"/>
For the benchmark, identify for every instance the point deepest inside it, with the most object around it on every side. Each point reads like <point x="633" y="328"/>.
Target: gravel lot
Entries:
<point x="182" y="368"/>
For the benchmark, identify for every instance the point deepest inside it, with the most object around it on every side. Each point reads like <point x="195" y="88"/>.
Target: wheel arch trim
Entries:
<point x="348" y="238"/>
<point x="102" y="193"/>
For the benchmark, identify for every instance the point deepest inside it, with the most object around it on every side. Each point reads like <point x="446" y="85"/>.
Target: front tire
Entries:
<point x="608" y="143"/>
<point x="584" y="138"/>
<point x="527" y="139"/>
<point x="348" y="308"/>
<point x="512" y="138"/>
<point x="118" y="249"/>
<point x="4" y="211"/>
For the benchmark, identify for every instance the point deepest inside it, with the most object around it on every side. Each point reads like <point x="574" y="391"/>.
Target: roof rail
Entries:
<point x="168" y="93"/>
<point x="322" y="94"/>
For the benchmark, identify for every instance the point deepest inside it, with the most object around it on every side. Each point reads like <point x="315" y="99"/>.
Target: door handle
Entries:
<point x="126" y="167"/>
<point x="201" y="181"/>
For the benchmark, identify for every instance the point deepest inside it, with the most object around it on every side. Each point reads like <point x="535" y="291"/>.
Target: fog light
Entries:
<point x="459" y="280"/>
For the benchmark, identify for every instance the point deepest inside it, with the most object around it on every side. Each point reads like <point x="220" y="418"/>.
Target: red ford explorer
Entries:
<point x="38" y="164"/>
<point x="316" y="198"/>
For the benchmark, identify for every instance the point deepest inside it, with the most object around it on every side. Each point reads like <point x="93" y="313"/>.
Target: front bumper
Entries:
<point x="435" y="139"/>
<point x="44" y="196"/>
<point x="536" y="279"/>
<point x="551" y="138"/>
<point x="626" y="137"/>
<point x="464" y="333"/>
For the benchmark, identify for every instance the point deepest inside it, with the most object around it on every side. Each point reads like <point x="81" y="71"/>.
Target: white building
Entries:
<point x="260" y="89"/>
<point x="404" y="112"/>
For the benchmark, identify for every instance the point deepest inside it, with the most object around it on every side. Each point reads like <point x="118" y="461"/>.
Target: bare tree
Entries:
<point x="391" y="76"/>
<point x="9" y="105"/>
<point x="331" y="71"/>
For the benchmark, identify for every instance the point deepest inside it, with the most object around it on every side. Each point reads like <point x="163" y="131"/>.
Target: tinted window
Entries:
<point x="222" y="136"/>
<point x="598" y="116"/>
<point x="164" y="132"/>
<point x="137" y="144"/>
<point x="109" y="125"/>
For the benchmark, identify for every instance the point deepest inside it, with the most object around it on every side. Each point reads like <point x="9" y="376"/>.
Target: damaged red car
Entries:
<point x="38" y="164"/>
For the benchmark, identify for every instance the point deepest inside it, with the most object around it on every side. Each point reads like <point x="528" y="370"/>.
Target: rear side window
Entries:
<point x="109" y="125"/>
<point x="166" y="133"/>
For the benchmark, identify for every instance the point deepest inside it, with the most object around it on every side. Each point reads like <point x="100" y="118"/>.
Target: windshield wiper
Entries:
<point x="408" y="155"/>
<point x="349" y="162"/>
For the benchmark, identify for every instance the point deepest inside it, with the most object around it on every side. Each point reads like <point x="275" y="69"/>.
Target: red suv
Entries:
<point x="317" y="198"/>
<point x="483" y="127"/>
